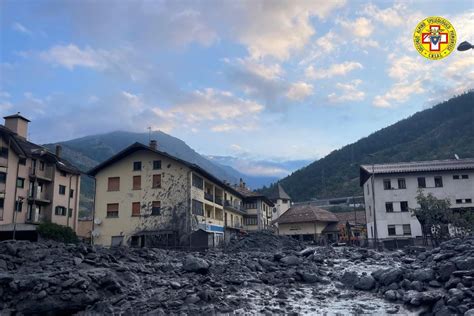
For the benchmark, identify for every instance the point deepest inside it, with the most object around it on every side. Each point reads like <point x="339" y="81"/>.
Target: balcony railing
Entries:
<point x="218" y="200"/>
<point x="236" y="207"/>
<point x="209" y="197"/>
<point x="38" y="196"/>
<point x="45" y="174"/>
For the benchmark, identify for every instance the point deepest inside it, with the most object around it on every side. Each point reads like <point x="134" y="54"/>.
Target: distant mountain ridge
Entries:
<point x="436" y="133"/>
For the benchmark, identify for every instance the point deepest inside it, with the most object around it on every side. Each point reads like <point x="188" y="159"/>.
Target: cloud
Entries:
<point x="361" y="27"/>
<point x="334" y="70"/>
<point x="71" y="56"/>
<point x="391" y="17"/>
<point x="347" y="92"/>
<point x="299" y="91"/>
<point x="21" y="28"/>
<point x="400" y="92"/>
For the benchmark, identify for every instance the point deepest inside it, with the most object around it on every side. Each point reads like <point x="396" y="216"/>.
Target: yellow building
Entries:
<point x="35" y="185"/>
<point x="146" y="197"/>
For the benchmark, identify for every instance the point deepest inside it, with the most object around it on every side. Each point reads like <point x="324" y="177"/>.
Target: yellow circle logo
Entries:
<point x="434" y="37"/>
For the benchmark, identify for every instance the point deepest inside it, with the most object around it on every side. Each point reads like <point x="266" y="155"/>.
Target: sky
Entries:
<point x="274" y="80"/>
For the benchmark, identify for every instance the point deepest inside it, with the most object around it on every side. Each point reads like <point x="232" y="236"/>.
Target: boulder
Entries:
<point x="465" y="264"/>
<point x="390" y="295"/>
<point x="194" y="264"/>
<point x="423" y="275"/>
<point x="391" y="275"/>
<point x="445" y="270"/>
<point x="291" y="260"/>
<point x="350" y="278"/>
<point x="366" y="283"/>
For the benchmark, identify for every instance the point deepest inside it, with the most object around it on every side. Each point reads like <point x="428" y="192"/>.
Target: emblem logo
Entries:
<point x="434" y="38"/>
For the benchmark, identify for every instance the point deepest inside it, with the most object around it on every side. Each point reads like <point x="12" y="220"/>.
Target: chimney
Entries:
<point x="153" y="144"/>
<point x="59" y="150"/>
<point x="17" y="124"/>
<point x="241" y="184"/>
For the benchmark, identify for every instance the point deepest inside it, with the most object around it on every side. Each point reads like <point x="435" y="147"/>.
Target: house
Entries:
<point x="36" y="185"/>
<point x="258" y="208"/>
<point x="305" y="221"/>
<point x="147" y="197"/>
<point x="390" y="192"/>
<point x="281" y="200"/>
<point x="351" y="227"/>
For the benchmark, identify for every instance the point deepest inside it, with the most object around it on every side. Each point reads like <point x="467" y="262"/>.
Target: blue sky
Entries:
<point x="270" y="80"/>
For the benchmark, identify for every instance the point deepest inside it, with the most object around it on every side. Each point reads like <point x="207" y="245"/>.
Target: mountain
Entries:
<point x="258" y="173"/>
<point x="436" y="133"/>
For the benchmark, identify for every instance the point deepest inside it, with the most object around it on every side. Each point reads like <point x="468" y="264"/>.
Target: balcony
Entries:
<point x="234" y="207"/>
<point x="34" y="216"/>
<point x="46" y="174"/>
<point x="218" y="200"/>
<point x="209" y="197"/>
<point x="42" y="197"/>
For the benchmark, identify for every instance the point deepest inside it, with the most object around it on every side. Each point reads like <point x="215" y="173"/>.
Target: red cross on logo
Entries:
<point x="434" y="44"/>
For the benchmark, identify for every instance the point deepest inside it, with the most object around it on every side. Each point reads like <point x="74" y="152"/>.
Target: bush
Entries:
<point x="57" y="232"/>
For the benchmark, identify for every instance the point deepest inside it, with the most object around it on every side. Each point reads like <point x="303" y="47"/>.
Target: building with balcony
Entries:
<point x="36" y="185"/>
<point x="390" y="192"/>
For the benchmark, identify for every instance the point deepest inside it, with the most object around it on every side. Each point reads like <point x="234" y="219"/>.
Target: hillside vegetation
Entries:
<point x="436" y="133"/>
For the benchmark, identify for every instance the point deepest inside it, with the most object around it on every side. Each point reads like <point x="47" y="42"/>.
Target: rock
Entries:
<point x="393" y="310"/>
<point x="77" y="261"/>
<point x="453" y="281"/>
<point x="445" y="270"/>
<point x="469" y="312"/>
<point x="192" y="299"/>
<point x="193" y="264"/>
<point x="175" y="285"/>
<point x="391" y="275"/>
<point x="412" y="297"/>
<point x="390" y="295"/>
<point x="366" y="283"/>
<point x="417" y="286"/>
<point x="423" y="275"/>
<point x="42" y="294"/>
<point x="464" y="264"/>
<point x="291" y="260"/>
<point x="307" y="252"/>
<point x="350" y="278"/>
<point x="309" y="277"/>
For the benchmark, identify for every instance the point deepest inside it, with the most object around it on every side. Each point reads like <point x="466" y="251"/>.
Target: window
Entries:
<point x="197" y="208"/>
<point x="19" y="206"/>
<point x="71" y="193"/>
<point x="402" y="184"/>
<point x="70" y="212"/>
<point x="406" y="230"/>
<point x="136" y="209"/>
<point x="370" y="210"/>
<point x="2" y="202"/>
<point x="198" y="182"/>
<point x="113" y="184"/>
<point x="41" y="166"/>
<point x="156" y="208"/>
<point x="137" y="165"/>
<point x="22" y="161"/>
<point x="156" y="164"/>
<point x="284" y="201"/>
<point x="387" y="185"/>
<point x="465" y="176"/>
<point x="458" y="201"/>
<point x="404" y="206"/>
<point x="4" y="152"/>
<point x="438" y="182"/>
<point x="3" y="177"/>
<point x="389" y="207"/>
<point x="468" y="200"/>
<point x="60" y="211"/>
<point x="112" y="210"/>
<point x="391" y="230"/>
<point x="421" y="182"/>
<point x="63" y="173"/>
<point x="456" y="177"/>
<point x="251" y="220"/>
<point x="116" y="241"/>
<point x="156" y="181"/>
<point x="137" y="182"/>
<point x="20" y="183"/>
<point x="62" y="189"/>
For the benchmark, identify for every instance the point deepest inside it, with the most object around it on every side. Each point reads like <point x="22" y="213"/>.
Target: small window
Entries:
<point x="136" y="209"/>
<point x="113" y="210"/>
<point x="438" y="182"/>
<point x="389" y="207"/>
<point x="370" y="210"/>
<point x="197" y="208"/>
<point x="156" y="181"/>
<point x="137" y="165"/>
<point x="198" y="182"/>
<point x="3" y="177"/>
<point x="137" y="182"/>
<point x="458" y="201"/>
<point x="4" y="152"/>
<point x="404" y="206"/>
<point x="421" y="182"/>
<point x="60" y="211"/>
<point x="63" y="173"/>
<point x="402" y="184"/>
<point x="19" y="206"/>
<point x="387" y="185"/>
<point x="406" y="230"/>
<point x="456" y="177"/>
<point x="20" y="183"/>
<point x="113" y="184"/>
<point x="71" y="193"/>
<point x="2" y="202"/>
<point x="156" y="208"/>
<point x="41" y="166"/>
<point x="391" y="230"/>
<point x="468" y="200"/>
<point x="22" y="161"/>
<point x="62" y="189"/>
<point x="156" y="164"/>
<point x="252" y="220"/>
<point x="70" y="212"/>
<point x="465" y="176"/>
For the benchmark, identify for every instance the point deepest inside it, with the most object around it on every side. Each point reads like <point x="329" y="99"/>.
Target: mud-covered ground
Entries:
<point x="259" y="274"/>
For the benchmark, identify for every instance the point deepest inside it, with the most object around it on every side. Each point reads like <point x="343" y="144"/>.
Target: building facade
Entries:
<point x="36" y="185"/>
<point x="281" y="200"/>
<point x="396" y="186"/>
<point x="146" y="197"/>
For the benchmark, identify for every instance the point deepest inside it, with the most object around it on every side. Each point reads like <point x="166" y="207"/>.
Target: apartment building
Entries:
<point x="35" y="185"/>
<point x="396" y="185"/>
<point x="257" y="206"/>
<point x="146" y="197"/>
